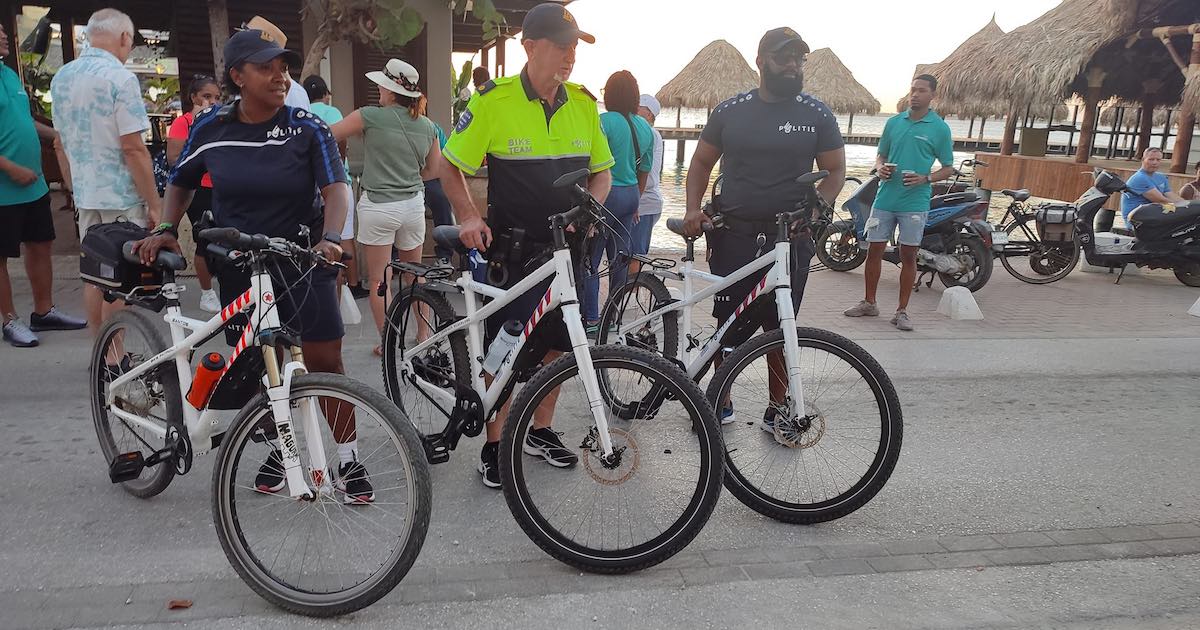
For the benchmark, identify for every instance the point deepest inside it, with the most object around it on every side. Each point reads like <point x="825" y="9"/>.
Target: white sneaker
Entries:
<point x="209" y="302"/>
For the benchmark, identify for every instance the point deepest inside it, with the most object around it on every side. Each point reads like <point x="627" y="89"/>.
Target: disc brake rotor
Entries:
<point x="623" y="463"/>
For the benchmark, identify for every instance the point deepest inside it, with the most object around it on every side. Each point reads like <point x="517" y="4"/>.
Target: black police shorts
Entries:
<point x="731" y="251"/>
<point x="307" y="304"/>
<point x="29" y="222"/>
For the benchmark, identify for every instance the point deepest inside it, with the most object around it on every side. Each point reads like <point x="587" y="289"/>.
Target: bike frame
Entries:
<point x="201" y="426"/>
<point x="561" y="294"/>
<point x="777" y="280"/>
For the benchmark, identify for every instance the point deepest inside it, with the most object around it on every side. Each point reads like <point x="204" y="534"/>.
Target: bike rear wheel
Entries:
<point x="125" y="341"/>
<point x="642" y="295"/>
<point x="637" y="509"/>
<point x="1030" y="259"/>
<point x="335" y="553"/>
<point x="414" y="314"/>
<point x="827" y="464"/>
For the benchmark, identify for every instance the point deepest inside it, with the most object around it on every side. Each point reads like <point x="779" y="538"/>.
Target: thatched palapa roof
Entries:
<point x="1047" y="60"/>
<point x="717" y="72"/>
<point x="828" y="79"/>
<point x="963" y="105"/>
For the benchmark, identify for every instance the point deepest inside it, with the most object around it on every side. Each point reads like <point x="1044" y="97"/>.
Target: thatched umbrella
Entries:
<point x="965" y="105"/>
<point x="717" y="72"/>
<point x="828" y="79"/>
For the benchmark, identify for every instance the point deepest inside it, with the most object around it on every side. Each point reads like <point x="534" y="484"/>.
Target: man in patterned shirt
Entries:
<point x="100" y="116"/>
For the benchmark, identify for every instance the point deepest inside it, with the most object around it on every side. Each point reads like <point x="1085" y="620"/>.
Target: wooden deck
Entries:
<point x="1058" y="178"/>
<point x="867" y="139"/>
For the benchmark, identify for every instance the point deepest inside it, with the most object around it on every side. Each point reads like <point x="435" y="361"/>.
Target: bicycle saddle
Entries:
<point x="808" y="179"/>
<point x="1017" y="195"/>
<point x="165" y="260"/>
<point x="448" y="236"/>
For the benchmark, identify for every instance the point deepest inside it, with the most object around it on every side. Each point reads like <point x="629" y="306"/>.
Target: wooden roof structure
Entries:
<point x="716" y="73"/>
<point x="468" y="31"/>
<point x="1047" y="60"/>
<point x="828" y="79"/>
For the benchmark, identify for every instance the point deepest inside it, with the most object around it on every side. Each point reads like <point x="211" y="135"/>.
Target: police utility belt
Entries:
<point x="512" y="255"/>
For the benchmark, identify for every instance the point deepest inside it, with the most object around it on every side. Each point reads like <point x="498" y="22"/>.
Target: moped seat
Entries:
<point x="953" y="199"/>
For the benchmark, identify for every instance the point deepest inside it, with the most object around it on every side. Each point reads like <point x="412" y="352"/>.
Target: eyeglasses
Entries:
<point x="784" y="57"/>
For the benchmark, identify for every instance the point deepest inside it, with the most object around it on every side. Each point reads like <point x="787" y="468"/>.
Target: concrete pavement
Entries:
<point x="1052" y="445"/>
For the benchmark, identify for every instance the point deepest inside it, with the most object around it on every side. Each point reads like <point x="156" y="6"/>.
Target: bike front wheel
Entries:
<point x="342" y="548"/>
<point x="821" y="466"/>
<point x="1030" y="259"/>
<point x="633" y="509"/>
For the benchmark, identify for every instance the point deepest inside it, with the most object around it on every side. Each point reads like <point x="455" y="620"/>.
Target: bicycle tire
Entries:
<point x="681" y="532"/>
<point x="983" y="263"/>
<point x="1038" y="257"/>
<point x="839" y="262"/>
<point x="443" y="313"/>
<point x="646" y="339"/>
<point x="166" y="376"/>
<point x="232" y="539"/>
<point x="885" y="457"/>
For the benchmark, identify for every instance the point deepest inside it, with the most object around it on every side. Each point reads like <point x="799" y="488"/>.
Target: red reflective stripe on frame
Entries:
<point x="537" y="313"/>
<point x="750" y="298"/>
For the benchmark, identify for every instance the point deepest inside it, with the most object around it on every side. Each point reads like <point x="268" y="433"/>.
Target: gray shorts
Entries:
<point x="882" y="224"/>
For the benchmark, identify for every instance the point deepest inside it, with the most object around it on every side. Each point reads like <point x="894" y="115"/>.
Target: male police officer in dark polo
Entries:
<point x="533" y="128"/>
<point x="765" y="139"/>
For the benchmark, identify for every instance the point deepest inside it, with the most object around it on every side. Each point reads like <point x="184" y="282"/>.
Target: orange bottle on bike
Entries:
<point x="207" y="374"/>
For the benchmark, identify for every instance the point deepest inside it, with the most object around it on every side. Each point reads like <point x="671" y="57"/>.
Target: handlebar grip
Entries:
<point x="226" y="236"/>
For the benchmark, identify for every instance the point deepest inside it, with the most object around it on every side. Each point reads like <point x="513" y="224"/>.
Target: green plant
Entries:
<point x="37" y="82"/>
<point x="458" y="84"/>
<point x="381" y="23"/>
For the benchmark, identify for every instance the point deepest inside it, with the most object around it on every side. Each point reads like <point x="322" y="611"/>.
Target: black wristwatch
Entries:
<point x="332" y="237"/>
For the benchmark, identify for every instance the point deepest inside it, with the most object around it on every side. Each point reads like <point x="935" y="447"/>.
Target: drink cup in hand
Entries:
<point x="887" y="171"/>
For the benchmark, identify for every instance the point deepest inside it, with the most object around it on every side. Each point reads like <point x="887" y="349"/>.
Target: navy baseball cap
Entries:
<point x="255" y="46"/>
<point x="552" y="21"/>
<point x="775" y="39"/>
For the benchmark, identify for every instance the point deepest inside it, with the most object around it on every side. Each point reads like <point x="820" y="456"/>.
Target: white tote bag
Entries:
<point x="351" y="316"/>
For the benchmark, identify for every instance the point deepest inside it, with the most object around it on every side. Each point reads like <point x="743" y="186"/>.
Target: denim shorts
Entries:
<point x="883" y="223"/>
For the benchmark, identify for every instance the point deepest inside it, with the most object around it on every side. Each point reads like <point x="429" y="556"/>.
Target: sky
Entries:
<point x="881" y="41"/>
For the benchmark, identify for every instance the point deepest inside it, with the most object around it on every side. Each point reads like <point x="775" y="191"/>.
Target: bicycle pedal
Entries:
<point x="126" y="467"/>
<point x="437" y="451"/>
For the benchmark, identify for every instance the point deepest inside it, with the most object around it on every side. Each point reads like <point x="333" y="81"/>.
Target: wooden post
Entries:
<point x="982" y="122"/>
<point x="218" y="20"/>
<point x="1074" y="122"/>
<point x="1010" y="132"/>
<point x="483" y="57"/>
<point x="850" y="125"/>
<point x="1166" y="131"/>
<point x="501" y="65"/>
<point x="1091" y="102"/>
<point x="67" y="34"/>
<point x="1187" y="119"/>
<point x="1146" y="123"/>
<point x="679" y="125"/>
<point x="971" y="129"/>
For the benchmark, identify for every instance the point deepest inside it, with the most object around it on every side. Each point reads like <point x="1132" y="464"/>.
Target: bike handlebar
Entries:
<point x="235" y="240"/>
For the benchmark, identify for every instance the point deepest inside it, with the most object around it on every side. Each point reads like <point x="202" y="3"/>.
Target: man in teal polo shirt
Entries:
<point x="25" y="217"/>
<point x="911" y="141"/>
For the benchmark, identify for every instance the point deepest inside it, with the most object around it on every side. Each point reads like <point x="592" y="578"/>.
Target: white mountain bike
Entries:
<point x="312" y="548"/>
<point x="647" y="478"/>
<point x="812" y="422"/>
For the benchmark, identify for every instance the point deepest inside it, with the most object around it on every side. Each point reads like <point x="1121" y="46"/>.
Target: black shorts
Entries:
<point x="29" y="222"/>
<point x="201" y="203"/>
<point x="309" y="308"/>
<point x="730" y="252"/>
<point x="551" y="331"/>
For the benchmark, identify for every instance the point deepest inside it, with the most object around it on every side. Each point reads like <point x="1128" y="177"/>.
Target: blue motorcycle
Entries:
<point x="957" y="247"/>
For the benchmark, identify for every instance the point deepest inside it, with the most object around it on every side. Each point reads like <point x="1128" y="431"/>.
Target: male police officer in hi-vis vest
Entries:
<point x="533" y="128"/>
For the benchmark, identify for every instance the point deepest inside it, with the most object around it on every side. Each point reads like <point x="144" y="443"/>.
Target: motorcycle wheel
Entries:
<point x="838" y="250"/>
<point x="1188" y="274"/>
<point x="978" y="274"/>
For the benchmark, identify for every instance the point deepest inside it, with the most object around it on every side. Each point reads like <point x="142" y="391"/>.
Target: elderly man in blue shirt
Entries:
<point x="1147" y="185"/>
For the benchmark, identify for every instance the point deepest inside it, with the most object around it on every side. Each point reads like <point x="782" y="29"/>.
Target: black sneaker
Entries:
<point x="545" y="443"/>
<point x="354" y="482"/>
<point x="55" y="319"/>
<point x="487" y="464"/>
<point x="270" y="477"/>
<point x="359" y="291"/>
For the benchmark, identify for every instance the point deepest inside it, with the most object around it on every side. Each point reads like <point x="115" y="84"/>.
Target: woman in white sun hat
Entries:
<point x="400" y="151"/>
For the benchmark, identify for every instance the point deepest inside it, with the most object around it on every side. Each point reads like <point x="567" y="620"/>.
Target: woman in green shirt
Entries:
<point x="400" y="150"/>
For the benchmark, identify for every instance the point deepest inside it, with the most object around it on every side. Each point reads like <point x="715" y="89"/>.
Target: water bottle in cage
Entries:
<point x="502" y="345"/>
